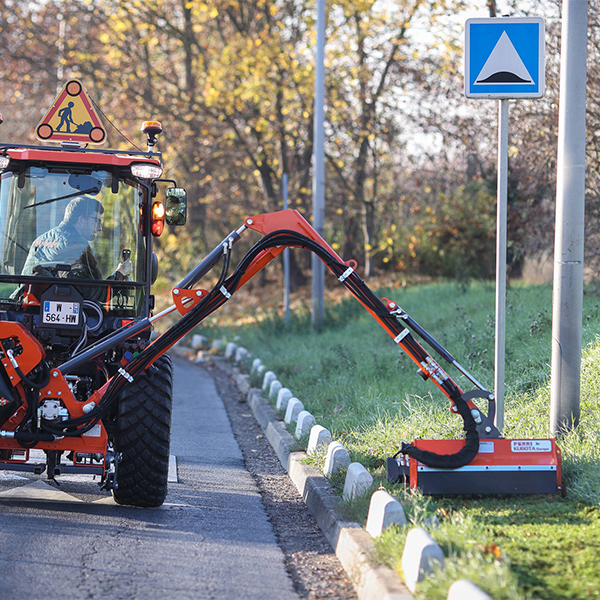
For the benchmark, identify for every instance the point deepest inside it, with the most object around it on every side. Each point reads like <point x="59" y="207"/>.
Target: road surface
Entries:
<point x="211" y="539"/>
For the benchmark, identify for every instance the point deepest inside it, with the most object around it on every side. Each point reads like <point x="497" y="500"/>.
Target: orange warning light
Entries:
<point x="71" y="118"/>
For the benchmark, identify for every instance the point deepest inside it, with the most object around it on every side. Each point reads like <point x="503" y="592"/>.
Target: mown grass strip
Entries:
<point x="353" y="380"/>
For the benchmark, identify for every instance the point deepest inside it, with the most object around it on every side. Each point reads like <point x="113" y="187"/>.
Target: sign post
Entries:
<point x="504" y="58"/>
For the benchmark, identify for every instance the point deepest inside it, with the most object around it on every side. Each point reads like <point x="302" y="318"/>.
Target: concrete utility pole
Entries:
<point x="570" y="220"/>
<point x="318" y="268"/>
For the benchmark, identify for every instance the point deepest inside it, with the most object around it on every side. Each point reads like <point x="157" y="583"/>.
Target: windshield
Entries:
<point x="66" y="222"/>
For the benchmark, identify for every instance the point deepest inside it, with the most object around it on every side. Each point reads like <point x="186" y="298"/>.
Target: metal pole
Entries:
<point x="501" y="210"/>
<point x="318" y="268"/>
<point x="570" y="220"/>
<point x="286" y="260"/>
<point x="60" y="43"/>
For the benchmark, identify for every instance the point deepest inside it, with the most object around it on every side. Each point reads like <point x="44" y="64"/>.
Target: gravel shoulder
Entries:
<point x="310" y="560"/>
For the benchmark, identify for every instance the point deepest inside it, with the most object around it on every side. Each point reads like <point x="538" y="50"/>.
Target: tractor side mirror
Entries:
<point x="176" y="206"/>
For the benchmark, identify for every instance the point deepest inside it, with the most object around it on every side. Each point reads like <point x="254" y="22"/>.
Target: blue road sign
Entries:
<point x="505" y="58"/>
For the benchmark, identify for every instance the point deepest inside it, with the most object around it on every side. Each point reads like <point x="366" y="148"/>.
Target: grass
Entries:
<point x="355" y="382"/>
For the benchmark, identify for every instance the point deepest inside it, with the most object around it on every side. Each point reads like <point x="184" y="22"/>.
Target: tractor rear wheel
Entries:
<point x="143" y="437"/>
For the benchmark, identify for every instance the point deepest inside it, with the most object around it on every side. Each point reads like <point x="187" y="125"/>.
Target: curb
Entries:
<point x="353" y="546"/>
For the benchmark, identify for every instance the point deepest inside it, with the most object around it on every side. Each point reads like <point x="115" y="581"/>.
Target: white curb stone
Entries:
<point x="305" y="422"/>
<point x="294" y="408"/>
<point x="421" y="554"/>
<point x="230" y="350"/>
<point x="319" y="436"/>
<point x="198" y="341"/>
<point x="267" y="379"/>
<point x="255" y="364"/>
<point x="283" y="397"/>
<point x="274" y="389"/>
<point x="217" y="345"/>
<point x="384" y="511"/>
<point x="260" y="370"/>
<point x="465" y="590"/>
<point x="358" y="482"/>
<point x="336" y="459"/>
<point x="241" y="354"/>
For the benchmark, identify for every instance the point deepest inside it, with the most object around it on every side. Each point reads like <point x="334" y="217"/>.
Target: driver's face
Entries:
<point x="95" y="226"/>
<point x="90" y="227"/>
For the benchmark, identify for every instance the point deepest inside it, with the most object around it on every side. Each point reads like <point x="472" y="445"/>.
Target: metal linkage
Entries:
<point x="402" y="315"/>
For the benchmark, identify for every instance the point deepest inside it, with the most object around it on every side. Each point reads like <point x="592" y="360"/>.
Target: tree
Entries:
<point x="374" y="62"/>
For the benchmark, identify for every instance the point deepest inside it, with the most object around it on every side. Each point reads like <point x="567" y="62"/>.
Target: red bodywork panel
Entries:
<point x="68" y="156"/>
<point x="28" y="353"/>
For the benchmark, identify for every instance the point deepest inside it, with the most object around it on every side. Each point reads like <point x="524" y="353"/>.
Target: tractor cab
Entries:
<point x="77" y="225"/>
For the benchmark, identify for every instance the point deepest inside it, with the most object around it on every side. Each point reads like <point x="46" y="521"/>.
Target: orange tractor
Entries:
<point x="80" y="377"/>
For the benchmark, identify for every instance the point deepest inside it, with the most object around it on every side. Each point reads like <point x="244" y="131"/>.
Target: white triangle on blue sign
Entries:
<point x="504" y="65"/>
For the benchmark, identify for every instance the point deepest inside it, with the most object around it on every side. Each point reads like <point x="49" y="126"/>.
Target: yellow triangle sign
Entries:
<point x="71" y="118"/>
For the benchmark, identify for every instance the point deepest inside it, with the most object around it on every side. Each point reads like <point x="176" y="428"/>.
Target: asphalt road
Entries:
<point x="211" y="539"/>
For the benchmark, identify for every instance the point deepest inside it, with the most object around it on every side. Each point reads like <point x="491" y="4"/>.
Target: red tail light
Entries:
<point x="158" y="218"/>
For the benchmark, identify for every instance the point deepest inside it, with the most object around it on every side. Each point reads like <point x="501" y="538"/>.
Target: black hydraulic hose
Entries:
<point x="33" y="384"/>
<point x="360" y="290"/>
<point x="24" y="437"/>
<point x="208" y="262"/>
<point x="224" y="289"/>
<point x="450" y="461"/>
<point x="106" y="344"/>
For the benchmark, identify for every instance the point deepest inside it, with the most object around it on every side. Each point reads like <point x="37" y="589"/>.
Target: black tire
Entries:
<point x="144" y="432"/>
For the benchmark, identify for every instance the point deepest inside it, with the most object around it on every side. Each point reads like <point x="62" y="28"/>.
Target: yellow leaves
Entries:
<point x="491" y="549"/>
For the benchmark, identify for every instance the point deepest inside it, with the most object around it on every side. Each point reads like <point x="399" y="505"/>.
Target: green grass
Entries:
<point x="357" y="384"/>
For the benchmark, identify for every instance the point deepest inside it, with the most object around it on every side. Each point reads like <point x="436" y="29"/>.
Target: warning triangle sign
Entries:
<point x="71" y="118"/>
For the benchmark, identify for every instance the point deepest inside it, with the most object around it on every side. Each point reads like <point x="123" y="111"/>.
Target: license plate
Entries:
<point x="60" y="313"/>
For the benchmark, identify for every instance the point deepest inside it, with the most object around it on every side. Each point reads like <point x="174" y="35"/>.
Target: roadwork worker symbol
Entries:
<point x="71" y="118"/>
<point x="66" y="118"/>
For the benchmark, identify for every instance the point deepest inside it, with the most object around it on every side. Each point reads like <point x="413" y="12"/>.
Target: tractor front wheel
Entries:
<point x="143" y="437"/>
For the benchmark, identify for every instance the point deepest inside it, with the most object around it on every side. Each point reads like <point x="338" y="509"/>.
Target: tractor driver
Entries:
<point x="68" y="245"/>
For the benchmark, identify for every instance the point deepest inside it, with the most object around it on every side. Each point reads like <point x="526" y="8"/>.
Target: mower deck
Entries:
<point x="502" y="466"/>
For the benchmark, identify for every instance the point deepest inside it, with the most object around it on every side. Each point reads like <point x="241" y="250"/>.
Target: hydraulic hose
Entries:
<point x="450" y="461"/>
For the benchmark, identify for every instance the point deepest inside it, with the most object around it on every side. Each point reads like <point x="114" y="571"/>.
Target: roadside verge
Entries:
<point x="352" y="544"/>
